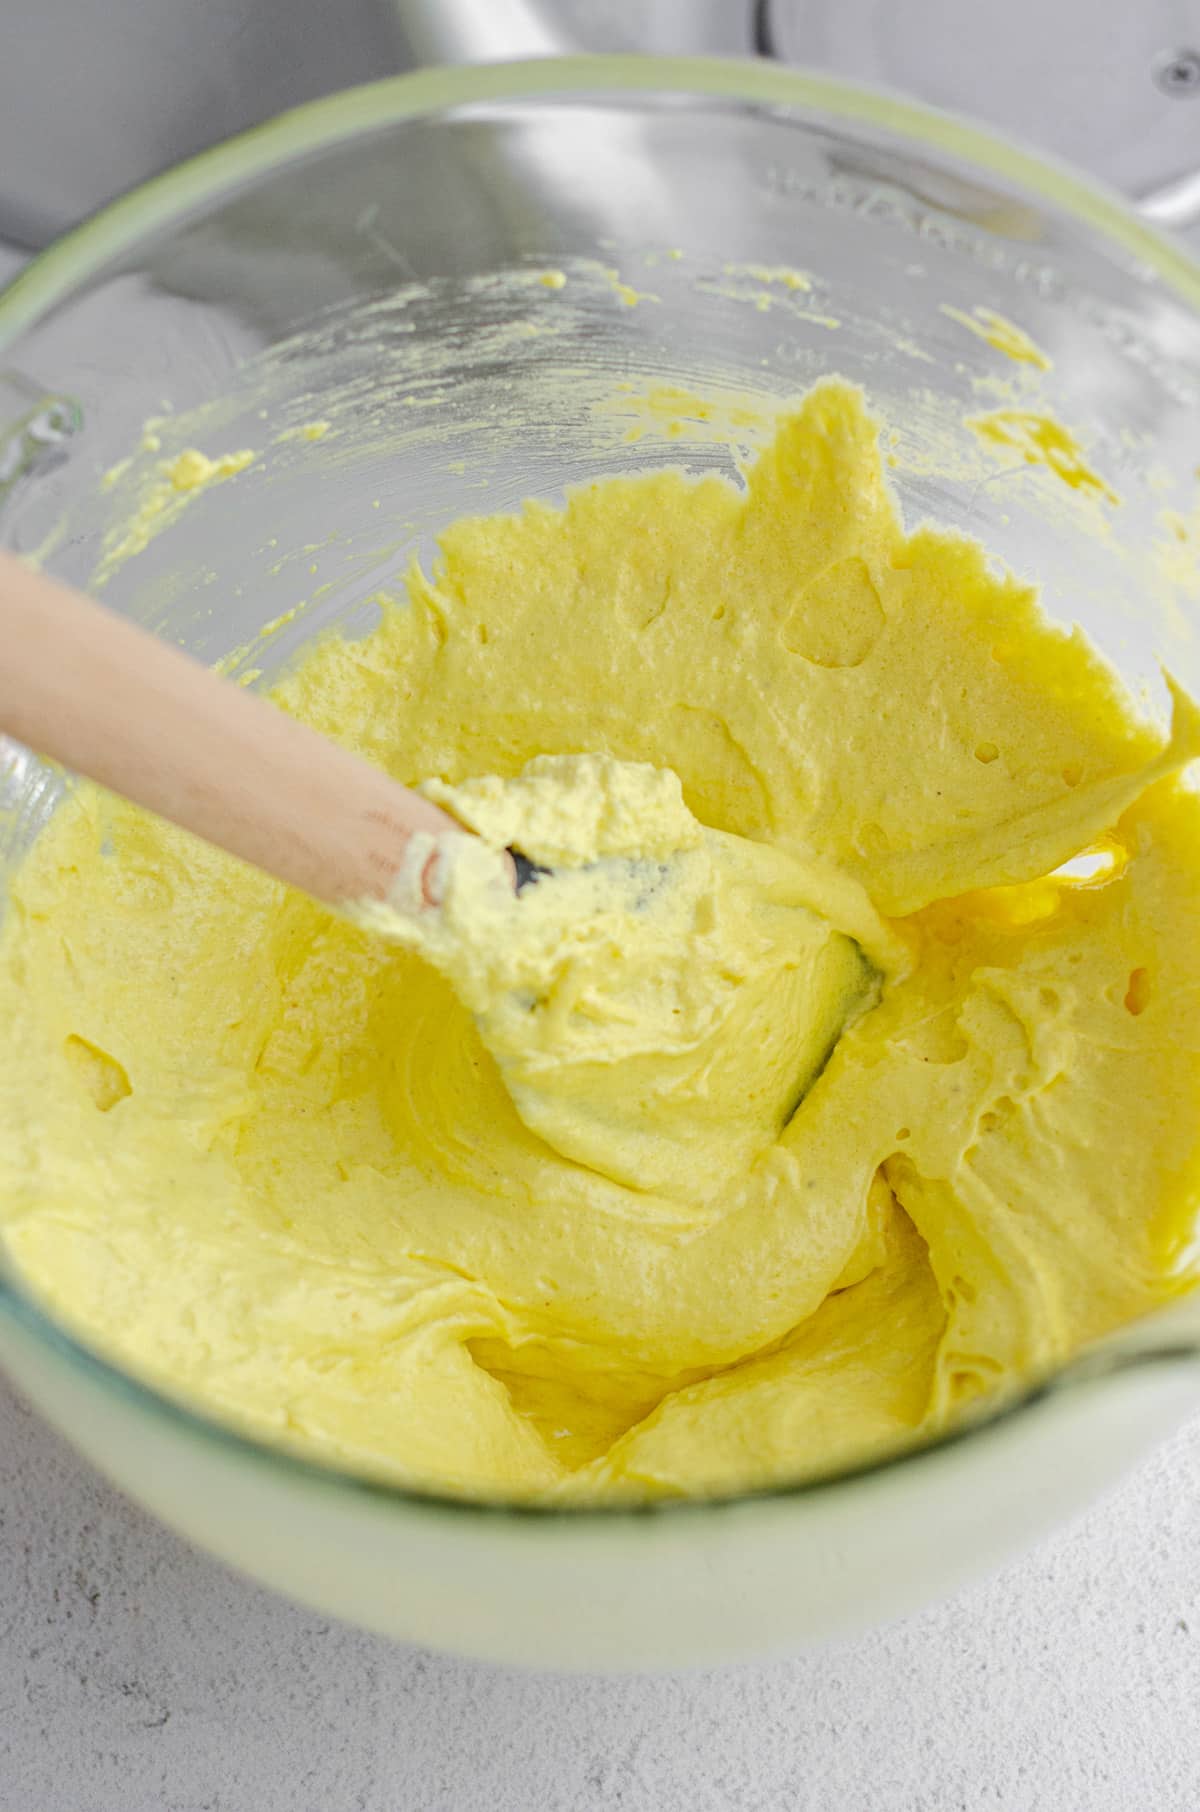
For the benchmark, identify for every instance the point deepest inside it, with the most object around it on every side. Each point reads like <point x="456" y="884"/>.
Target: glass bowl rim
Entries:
<point x="51" y="277"/>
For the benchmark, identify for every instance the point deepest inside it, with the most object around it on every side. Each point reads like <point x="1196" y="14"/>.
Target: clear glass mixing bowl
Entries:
<point x="376" y="262"/>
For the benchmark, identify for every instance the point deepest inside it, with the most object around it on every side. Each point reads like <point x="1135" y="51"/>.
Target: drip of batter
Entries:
<point x="808" y="1100"/>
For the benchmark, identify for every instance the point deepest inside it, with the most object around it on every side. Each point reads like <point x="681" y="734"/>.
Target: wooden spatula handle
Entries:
<point x="109" y="700"/>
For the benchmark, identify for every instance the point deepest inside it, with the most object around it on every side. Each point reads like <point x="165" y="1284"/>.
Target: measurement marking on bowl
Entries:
<point x="365" y="224"/>
<point x="889" y="208"/>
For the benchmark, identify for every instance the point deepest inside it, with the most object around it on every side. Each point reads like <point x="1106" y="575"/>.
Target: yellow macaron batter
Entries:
<point x="804" y="1104"/>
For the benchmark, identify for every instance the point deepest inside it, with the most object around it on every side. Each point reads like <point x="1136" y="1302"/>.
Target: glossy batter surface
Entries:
<point x="271" y="1160"/>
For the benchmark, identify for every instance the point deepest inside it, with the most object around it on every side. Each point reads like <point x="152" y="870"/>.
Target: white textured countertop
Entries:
<point x="138" y="1676"/>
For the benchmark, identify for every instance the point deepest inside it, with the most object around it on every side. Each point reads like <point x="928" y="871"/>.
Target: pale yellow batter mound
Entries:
<point x="723" y="1164"/>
